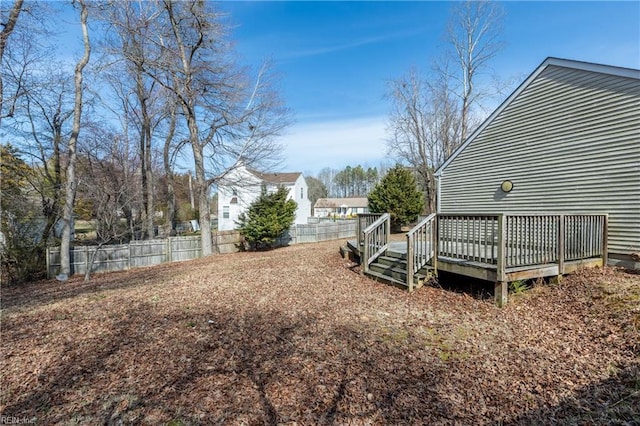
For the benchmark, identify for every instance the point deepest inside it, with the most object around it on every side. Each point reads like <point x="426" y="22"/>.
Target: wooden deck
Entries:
<point x="498" y="248"/>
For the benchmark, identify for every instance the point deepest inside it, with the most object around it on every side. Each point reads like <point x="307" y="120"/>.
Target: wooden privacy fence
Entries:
<point x="154" y="252"/>
<point x="316" y="232"/>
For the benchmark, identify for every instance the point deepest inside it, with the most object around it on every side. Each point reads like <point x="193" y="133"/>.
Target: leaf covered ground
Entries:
<point x="298" y="336"/>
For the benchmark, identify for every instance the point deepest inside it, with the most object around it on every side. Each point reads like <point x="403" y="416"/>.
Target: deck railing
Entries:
<point x="531" y="239"/>
<point x="363" y="221"/>
<point x="584" y="236"/>
<point x="469" y="237"/>
<point x="519" y="240"/>
<point x="376" y="240"/>
<point x="421" y="243"/>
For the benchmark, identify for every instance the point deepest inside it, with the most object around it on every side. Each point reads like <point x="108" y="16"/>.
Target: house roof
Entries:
<point x="277" y="178"/>
<point x="341" y="202"/>
<point x="565" y="63"/>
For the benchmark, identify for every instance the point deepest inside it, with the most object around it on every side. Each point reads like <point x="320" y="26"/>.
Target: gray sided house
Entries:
<point x="568" y="139"/>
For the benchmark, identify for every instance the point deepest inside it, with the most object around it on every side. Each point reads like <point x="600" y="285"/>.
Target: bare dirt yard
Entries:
<point x="296" y="336"/>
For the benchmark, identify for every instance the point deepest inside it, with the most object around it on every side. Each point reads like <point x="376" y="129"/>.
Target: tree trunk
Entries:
<point x="71" y="185"/>
<point x="145" y="155"/>
<point x="202" y="187"/>
<point x="168" y="170"/>
<point x="9" y="25"/>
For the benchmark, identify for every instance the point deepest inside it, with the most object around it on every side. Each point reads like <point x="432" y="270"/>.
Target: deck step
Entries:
<point x="377" y="276"/>
<point x="393" y="262"/>
<point x="396" y="254"/>
<point x="347" y="253"/>
<point x="394" y="271"/>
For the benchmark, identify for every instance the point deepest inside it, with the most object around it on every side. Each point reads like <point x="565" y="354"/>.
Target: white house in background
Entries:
<point x="341" y="207"/>
<point x="243" y="186"/>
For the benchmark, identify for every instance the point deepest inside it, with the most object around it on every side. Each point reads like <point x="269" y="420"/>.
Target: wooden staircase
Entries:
<point x="402" y="264"/>
<point x="391" y="268"/>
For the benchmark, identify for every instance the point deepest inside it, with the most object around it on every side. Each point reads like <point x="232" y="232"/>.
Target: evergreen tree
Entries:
<point x="267" y="218"/>
<point x="398" y="195"/>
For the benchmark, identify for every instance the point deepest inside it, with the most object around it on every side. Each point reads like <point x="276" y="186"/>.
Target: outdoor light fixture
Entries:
<point x="506" y="186"/>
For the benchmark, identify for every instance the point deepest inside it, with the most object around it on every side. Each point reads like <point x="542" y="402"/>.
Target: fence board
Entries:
<point x="154" y="252"/>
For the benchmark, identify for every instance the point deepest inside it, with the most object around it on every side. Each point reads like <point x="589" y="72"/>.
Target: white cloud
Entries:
<point x="337" y="47"/>
<point x="336" y="144"/>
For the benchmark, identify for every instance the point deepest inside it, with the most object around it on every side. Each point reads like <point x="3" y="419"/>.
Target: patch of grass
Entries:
<point x="97" y="297"/>
<point x="518" y="286"/>
<point x="395" y="335"/>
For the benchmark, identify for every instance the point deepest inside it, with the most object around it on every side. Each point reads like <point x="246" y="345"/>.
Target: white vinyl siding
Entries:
<point x="569" y="142"/>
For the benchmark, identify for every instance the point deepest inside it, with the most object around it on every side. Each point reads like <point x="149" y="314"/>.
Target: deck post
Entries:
<point x="605" y="240"/>
<point x="365" y="256"/>
<point x="561" y="246"/>
<point x="387" y="228"/>
<point x="410" y="262"/>
<point x="501" y="288"/>
<point x="435" y="244"/>
<point x="358" y="230"/>
<point x="500" y="292"/>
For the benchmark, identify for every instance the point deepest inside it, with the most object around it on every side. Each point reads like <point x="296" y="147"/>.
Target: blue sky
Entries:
<point x="335" y="59"/>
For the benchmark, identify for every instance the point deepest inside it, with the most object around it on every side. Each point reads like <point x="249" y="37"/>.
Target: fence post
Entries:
<point x="501" y="288"/>
<point x="167" y="255"/>
<point x="86" y="259"/>
<point x="48" y="261"/>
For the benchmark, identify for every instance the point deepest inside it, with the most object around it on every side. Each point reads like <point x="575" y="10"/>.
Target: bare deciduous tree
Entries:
<point x="104" y="167"/>
<point x="229" y="120"/>
<point x="168" y="161"/>
<point x="131" y="47"/>
<point x="71" y="184"/>
<point x="46" y="109"/>
<point x="432" y="116"/>
<point x="414" y="128"/>
<point x="474" y="34"/>
<point x="8" y="25"/>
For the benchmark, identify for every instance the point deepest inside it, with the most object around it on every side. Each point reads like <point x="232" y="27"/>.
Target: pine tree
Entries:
<point x="398" y="195"/>
<point x="267" y="218"/>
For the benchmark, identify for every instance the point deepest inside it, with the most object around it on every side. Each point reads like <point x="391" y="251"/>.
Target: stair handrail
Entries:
<point x="376" y="237"/>
<point x="422" y="244"/>
<point x="364" y="220"/>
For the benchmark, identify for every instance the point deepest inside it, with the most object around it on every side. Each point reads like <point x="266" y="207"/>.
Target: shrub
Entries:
<point x="21" y="245"/>
<point x="267" y="218"/>
<point x="397" y="194"/>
